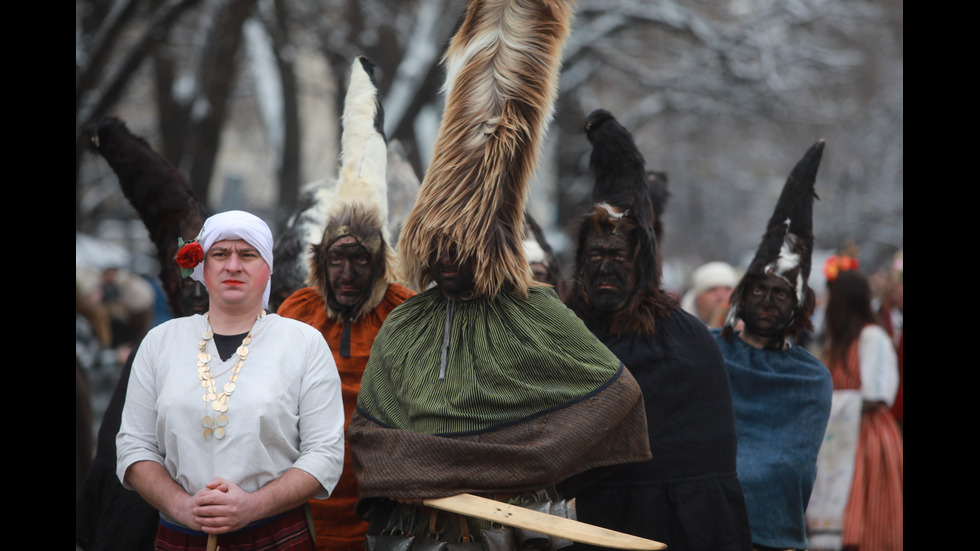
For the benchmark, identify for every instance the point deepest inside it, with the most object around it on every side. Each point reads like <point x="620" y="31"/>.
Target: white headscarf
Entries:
<point x="237" y="224"/>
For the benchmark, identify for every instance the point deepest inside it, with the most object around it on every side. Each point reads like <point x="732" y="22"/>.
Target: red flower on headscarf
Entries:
<point x="190" y="255"/>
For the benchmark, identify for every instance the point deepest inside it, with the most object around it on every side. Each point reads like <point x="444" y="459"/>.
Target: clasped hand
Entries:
<point x="222" y="507"/>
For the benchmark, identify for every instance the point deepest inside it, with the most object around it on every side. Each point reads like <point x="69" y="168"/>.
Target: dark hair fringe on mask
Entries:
<point x="648" y="300"/>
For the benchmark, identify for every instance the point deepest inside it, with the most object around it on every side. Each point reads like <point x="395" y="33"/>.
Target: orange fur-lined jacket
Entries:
<point x="336" y="526"/>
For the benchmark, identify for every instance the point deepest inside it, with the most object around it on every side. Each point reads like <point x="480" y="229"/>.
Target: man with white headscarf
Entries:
<point x="233" y="419"/>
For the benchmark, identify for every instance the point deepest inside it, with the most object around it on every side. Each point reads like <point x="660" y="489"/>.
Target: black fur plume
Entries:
<point x="627" y="201"/>
<point x="621" y="181"/>
<point x="617" y="165"/>
<point x="157" y="190"/>
<point x="786" y="249"/>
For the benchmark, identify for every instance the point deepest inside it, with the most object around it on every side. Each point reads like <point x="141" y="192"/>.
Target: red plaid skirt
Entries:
<point x="287" y="532"/>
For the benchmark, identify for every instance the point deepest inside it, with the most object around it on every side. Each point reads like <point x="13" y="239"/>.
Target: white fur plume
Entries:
<point x="363" y="151"/>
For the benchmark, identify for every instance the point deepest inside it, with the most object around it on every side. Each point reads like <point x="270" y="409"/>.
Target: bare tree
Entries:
<point x="723" y="97"/>
<point x="112" y="40"/>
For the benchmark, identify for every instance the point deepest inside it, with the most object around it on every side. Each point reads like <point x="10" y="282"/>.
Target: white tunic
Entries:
<point x="879" y="365"/>
<point x="286" y="410"/>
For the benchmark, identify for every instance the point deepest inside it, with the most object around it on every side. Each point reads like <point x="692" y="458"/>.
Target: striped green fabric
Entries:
<point x="507" y="358"/>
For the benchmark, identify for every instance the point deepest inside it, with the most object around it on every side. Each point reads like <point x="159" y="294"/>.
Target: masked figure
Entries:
<point x="353" y="284"/>
<point x="486" y="383"/>
<point x="781" y="392"/>
<point x="688" y="495"/>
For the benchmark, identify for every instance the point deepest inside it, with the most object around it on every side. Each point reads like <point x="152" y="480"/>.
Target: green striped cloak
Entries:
<point x="512" y="394"/>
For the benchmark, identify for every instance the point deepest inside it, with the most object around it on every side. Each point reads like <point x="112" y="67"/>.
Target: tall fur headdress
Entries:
<point x="627" y="201"/>
<point x="360" y="207"/>
<point x="502" y="81"/>
<point x="158" y="191"/>
<point x="786" y="249"/>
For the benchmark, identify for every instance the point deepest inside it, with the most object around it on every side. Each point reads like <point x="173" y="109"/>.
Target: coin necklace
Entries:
<point x="215" y="426"/>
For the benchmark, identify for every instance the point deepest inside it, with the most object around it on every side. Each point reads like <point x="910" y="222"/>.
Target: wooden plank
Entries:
<point x="521" y="517"/>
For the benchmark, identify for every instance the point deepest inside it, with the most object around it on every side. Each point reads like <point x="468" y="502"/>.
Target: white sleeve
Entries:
<point x="321" y="418"/>
<point x="879" y="365"/>
<point x="137" y="439"/>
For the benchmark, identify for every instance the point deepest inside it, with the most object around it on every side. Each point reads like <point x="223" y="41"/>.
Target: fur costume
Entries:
<point x="787" y="246"/>
<point x="158" y="191"/>
<point x="473" y="195"/>
<point x="456" y="383"/>
<point x="360" y="207"/>
<point x="687" y="495"/>
<point x="628" y="201"/>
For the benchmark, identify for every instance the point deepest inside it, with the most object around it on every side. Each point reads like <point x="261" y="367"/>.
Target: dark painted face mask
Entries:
<point x="454" y="278"/>
<point x="349" y="272"/>
<point x="609" y="272"/>
<point x="768" y="307"/>
<point x="193" y="296"/>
